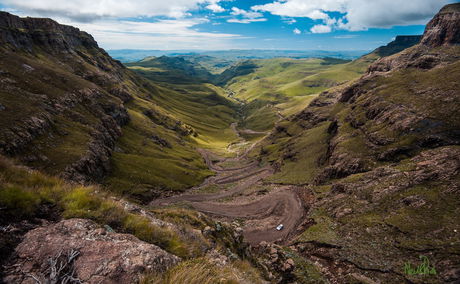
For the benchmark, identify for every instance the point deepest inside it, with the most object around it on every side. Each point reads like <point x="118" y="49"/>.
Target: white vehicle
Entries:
<point x="279" y="227"/>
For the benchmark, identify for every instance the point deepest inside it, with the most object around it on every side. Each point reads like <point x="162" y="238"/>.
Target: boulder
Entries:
<point x="80" y="250"/>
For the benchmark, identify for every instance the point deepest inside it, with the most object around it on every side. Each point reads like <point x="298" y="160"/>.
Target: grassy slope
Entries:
<point x="405" y="88"/>
<point x="289" y="85"/>
<point x="49" y="81"/>
<point x="141" y="166"/>
<point x="26" y="195"/>
<point x="368" y="215"/>
<point x="171" y="69"/>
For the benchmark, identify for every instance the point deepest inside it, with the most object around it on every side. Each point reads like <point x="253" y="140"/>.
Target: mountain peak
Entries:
<point x="444" y="28"/>
<point x="26" y="33"/>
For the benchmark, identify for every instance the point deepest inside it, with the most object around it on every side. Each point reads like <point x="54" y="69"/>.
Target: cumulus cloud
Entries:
<point x="245" y="17"/>
<point x="90" y="10"/>
<point x="321" y="29"/>
<point x="162" y="34"/>
<point x="356" y="14"/>
<point x="108" y="21"/>
<point x="216" y="8"/>
<point x="297" y="31"/>
<point x="246" y="21"/>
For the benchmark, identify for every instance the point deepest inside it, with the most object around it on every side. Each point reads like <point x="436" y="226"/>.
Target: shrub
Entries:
<point x="18" y="203"/>
<point x="195" y="271"/>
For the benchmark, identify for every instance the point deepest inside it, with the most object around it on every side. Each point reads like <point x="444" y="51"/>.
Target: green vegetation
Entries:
<point x="201" y="271"/>
<point x="280" y="87"/>
<point x="171" y="69"/>
<point x="323" y="231"/>
<point x="297" y="157"/>
<point x="24" y="194"/>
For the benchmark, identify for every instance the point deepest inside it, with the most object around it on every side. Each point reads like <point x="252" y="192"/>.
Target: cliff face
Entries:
<point x="29" y="33"/>
<point x="443" y="29"/>
<point x="400" y="43"/>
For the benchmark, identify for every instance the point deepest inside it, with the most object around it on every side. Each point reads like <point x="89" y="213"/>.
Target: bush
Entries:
<point x="196" y="271"/>
<point x="18" y="203"/>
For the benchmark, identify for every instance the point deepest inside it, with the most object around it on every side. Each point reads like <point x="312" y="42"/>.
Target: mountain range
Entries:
<point x="181" y="168"/>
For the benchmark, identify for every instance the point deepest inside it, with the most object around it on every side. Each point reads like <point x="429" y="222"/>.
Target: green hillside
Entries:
<point x="282" y="86"/>
<point x="171" y="69"/>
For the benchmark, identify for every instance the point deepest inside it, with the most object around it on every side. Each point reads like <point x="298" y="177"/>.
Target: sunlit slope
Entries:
<point x="69" y="109"/>
<point x="389" y="118"/>
<point x="202" y="106"/>
<point x="176" y="70"/>
<point x="281" y="87"/>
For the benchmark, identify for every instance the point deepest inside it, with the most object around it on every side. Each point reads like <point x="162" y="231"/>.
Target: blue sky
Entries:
<point x="237" y="24"/>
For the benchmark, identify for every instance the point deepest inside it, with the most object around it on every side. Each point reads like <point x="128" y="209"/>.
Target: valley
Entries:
<point x="180" y="168"/>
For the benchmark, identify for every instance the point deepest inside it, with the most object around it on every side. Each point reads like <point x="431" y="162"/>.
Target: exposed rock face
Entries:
<point x="277" y="266"/>
<point x="92" y="254"/>
<point x="389" y="178"/>
<point x="389" y="216"/>
<point x="443" y="29"/>
<point x="95" y="164"/>
<point x="400" y="43"/>
<point x="27" y="33"/>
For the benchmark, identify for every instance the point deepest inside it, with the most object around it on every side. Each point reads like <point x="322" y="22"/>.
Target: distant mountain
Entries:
<point x="171" y="70"/>
<point x="215" y="65"/>
<point x="400" y="43"/>
<point x="127" y="55"/>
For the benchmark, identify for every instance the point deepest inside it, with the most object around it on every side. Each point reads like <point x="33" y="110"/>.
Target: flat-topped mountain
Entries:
<point x="400" y="43"/>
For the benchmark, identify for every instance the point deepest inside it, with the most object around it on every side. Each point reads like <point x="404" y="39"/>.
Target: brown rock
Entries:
<point x="444" y="28"/>
<point x="98" y="256"/>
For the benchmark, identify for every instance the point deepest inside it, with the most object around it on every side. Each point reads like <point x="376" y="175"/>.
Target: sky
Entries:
<point x="237" y="24"/>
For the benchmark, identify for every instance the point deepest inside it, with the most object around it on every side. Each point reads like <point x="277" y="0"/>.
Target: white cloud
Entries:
<point x="216" y="8"/>
<point x="246" y="21"/>
<point x="290" y="21"/>
<point x="321" y="29"/>
<point x="247" y="14"/>
<point x="245" y="17"/>
<point x="105" y="20"/>
<point x="358" y="14"/>
<point x="90" y="10"/>
<point x="297" y="31"/>
<point x="164" y="34"/>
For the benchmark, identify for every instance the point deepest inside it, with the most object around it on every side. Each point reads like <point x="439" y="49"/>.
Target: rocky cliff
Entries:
<point x="82" y="86"/>
<point x="399" y="44"/>
<point x="443" y="28"/>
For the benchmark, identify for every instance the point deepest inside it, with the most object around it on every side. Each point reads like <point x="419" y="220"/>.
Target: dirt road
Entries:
<point x="235" y="177"/>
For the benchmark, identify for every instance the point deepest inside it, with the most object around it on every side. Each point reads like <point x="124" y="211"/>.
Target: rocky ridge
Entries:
<point x="390" y="166"/>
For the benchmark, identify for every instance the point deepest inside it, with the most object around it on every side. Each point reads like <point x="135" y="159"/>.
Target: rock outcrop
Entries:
<point x="400" y="43"/>
<point x="443" y="29"/>
<point x="79" y="250"/>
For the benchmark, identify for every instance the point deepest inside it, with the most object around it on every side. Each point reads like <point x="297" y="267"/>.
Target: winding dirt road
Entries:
<point x="235" y="200"/>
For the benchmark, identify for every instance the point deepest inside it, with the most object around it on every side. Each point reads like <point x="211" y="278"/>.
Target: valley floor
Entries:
<point x="237" y="192"/>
